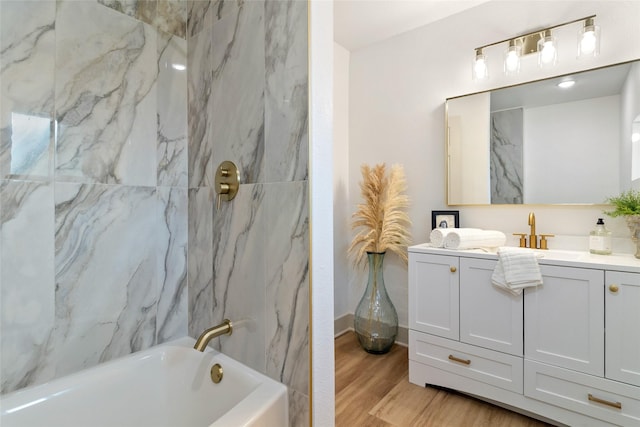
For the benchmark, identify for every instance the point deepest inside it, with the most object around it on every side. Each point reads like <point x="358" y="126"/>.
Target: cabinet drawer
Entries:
<point x="582" y="393"/>
<point x="491" y="367"/>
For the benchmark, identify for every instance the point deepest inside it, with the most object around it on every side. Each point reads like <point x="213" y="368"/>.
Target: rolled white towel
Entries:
<point x="438" y="235"/>
<point x="474" y="239"/>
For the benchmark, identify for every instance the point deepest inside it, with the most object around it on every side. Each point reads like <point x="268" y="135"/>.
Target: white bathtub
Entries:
<point x="168" y="385"/>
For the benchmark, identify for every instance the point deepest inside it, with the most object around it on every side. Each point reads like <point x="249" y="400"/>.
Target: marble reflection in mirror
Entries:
<point x="540" y="143"/>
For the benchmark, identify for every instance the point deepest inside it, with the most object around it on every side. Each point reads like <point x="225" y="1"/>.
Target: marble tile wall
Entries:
<point x="93" y="183"/>
<point x="248" y="71"/>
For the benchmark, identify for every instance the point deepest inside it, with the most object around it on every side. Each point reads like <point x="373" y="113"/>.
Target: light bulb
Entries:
<point x="588" y="43"/>
<point x="548" y="52"/>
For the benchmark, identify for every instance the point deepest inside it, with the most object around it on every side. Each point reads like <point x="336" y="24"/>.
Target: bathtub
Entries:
<point x="168" y="385"/>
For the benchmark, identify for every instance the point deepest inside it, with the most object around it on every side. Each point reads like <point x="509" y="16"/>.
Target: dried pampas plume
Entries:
<point x="381" y="220"/>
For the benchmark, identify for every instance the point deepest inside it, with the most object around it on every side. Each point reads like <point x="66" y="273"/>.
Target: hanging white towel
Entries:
<point x="438" y="235"/>
<point x="471" y="238"/>
<point x="516" y="269"/>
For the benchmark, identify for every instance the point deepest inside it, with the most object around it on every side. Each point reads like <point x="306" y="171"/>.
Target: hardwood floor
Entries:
<point x="374" y="390"/>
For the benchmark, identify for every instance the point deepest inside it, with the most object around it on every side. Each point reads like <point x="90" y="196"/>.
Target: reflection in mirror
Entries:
<point x="541" y="143"/>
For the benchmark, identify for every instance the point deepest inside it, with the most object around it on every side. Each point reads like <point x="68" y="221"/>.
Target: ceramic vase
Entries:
<point x="376" y="319"/>
<point x="633" y="222"/>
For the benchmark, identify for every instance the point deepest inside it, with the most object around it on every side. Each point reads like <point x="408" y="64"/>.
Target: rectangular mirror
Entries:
<point x="541" y="143"/>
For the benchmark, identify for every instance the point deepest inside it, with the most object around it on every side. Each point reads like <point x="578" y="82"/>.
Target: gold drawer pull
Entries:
<point x="614" y="288"/>
<point x="453" y="269"/>
<point x="592" y="398"/>
<point x="456" y="359"/>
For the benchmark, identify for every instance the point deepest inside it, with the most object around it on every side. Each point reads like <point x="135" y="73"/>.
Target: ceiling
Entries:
<point x="359" y="23"/>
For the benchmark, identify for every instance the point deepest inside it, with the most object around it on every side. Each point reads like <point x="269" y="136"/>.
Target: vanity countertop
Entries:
<point x="615" y="261"/>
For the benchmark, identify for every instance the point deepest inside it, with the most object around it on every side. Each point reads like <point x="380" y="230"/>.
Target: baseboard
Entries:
<point x="344" y="324"/>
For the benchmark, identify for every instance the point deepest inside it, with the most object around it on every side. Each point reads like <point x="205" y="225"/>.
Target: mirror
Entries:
<point x="540" y="143"/>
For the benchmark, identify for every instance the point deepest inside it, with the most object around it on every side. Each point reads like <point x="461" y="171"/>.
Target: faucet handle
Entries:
<point x="523" y="239"/>
<point x="543" y="240"/>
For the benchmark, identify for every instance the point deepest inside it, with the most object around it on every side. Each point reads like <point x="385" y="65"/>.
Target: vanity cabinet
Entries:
<point x="568" y="350"/>
<point x="466" y="326"/>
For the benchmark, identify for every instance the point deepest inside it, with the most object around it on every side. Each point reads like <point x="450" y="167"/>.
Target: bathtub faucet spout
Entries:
<point x="225" y="327"/>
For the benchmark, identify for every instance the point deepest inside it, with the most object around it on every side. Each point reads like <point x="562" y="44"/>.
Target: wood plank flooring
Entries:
<point x="374" y="391"/>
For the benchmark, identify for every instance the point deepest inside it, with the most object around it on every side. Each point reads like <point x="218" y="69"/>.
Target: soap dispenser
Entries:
<point x="600" y="239"/>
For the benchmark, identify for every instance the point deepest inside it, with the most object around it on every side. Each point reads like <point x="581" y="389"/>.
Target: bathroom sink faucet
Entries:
<point x="225" y="327"/>
<point x="533" y="237"/>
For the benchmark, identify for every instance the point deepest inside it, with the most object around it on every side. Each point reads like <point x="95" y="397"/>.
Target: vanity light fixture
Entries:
<point x="542" y="42"/>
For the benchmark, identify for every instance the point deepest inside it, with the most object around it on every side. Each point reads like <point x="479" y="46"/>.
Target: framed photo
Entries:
<point x="445" y="219"/>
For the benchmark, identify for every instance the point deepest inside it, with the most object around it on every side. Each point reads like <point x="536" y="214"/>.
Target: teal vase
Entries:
<point x="376" y="319"/>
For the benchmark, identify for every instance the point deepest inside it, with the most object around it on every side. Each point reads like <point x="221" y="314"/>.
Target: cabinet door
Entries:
<point x="489" y="317"/>
<point x="622" y="323"/>
<point x="564" y="319"/>
<point x="433" y="294"/>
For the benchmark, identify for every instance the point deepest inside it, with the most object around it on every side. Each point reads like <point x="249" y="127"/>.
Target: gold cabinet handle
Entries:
<point x="453" y="269"/>
<point x="614" y="288"/>
<point x="457" y="359"/>
<point x="617" y="405"/>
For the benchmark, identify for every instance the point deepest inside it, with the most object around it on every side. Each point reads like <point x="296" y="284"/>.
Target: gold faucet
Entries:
<point x="533" y="239"/>
<point x="225" y="327"/>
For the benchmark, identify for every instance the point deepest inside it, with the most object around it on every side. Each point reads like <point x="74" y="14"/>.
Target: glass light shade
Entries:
<point x="547" y="50"/>
<point x="588" y="40"/>
<point x="480" y="69"/>
<point x="512" y="60"/>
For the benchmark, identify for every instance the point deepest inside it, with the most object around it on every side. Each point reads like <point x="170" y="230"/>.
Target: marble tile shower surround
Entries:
<point x="93" y="247"/>
<point x="248" y="70"/>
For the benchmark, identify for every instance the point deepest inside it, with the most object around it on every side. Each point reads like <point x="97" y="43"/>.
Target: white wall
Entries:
<point x="397" y="92"/>
<point x="341" y="179"/>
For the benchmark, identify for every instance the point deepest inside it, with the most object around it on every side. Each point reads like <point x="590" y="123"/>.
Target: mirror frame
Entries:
<point x="446" y="131"/>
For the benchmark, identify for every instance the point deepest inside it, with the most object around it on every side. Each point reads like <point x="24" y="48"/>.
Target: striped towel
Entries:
<point x="438" y="235"/>
<point x="516" y="269"/>
<point x="472" y="238"/>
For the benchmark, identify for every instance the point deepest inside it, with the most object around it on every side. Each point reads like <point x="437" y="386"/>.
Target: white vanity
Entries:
<point x="568" y="350"/>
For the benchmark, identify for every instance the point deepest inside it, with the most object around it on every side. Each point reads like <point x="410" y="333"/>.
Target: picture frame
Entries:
<point x="445" y="219"/>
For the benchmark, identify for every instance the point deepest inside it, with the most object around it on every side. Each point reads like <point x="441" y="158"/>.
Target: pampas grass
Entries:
<point x="381" y="220"/>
